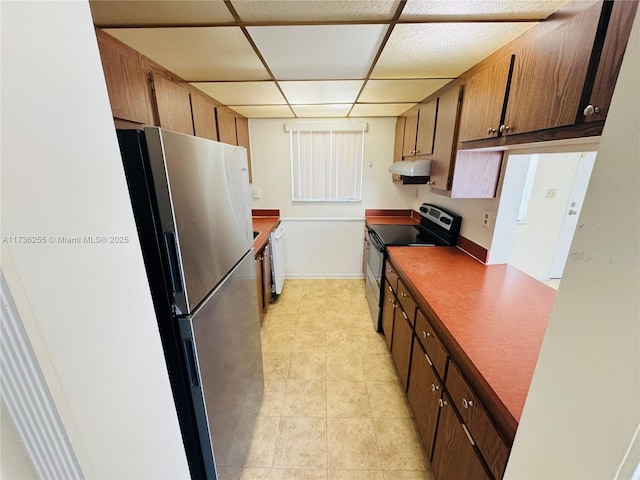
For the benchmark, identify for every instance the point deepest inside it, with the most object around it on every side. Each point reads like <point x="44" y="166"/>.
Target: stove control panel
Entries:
<point x="441" y="217"/>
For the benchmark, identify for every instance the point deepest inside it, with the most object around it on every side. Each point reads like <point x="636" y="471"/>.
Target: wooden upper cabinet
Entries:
<point x="173" y="105"/>
<point x="549" y="75"/>
<point x="484" y="98"/>
<point x="445" y="137"/>
<point x="426" y="127"/>
<point x="615" y="44"/>
<point x="410" y="132"/>
<point x="204" y="117"/>
<point x="127" y="82"/>
<point x="226" y="126"/>
<point x="399" y="139"/>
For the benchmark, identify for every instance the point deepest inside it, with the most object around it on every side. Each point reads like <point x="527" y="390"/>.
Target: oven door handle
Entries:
<point x="376" y="241"/>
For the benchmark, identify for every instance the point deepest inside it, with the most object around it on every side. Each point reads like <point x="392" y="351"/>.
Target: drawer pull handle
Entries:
<point x="467" y="403"/>
<point x="390" y="289"/>
<point x="428" y="360"/>
<point x="466" y="430"/>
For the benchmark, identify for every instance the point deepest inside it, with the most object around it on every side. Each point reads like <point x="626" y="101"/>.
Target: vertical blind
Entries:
<point x="326" y="164"/>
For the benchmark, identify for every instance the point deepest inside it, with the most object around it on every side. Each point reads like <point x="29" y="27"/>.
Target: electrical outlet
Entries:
<point x="551" y="193"/>
<point x="486" y="219"/>
<point x="257" y="194"/>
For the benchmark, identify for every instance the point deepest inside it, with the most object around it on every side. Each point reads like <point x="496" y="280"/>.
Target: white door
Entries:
<point x="570" y="222"/>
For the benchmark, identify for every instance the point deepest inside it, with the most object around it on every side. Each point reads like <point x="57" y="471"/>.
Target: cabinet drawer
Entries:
<point x="490" y="443"/>
<point x="407" y="302"/>
<point x="391" y="276"/>
<point x="432" y="345"/>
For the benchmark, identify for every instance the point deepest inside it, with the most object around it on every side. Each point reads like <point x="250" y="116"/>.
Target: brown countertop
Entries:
<point x="264" y="225"/>
<point x="493" y="316"/>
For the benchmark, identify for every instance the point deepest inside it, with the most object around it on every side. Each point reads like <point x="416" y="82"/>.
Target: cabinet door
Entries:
<point x="127" y="81"/>
<point x="426" y="128"/>
<point x="267" y="282"/>
<point x="424" y="392"/>
<point x="204" y="117"/>
<point x="434" y="349"/>
<point x="389" y="306"/>
<point x="549" y="75"/>
<point x="484" y="97"/>
<point x="494" y="449"/>
<point x="226" y="127"/>
<point x="407" y="302"/>
<point x="410" y="132"/>
<point x="173" y="105"/>
<point x="454" y="455"/>
<point x="261" y="306"/>
<point x="399" y="139"/>
<point x="446" y="137"/>
<point x="615" y="44"/>
<point x="401" y="345"/>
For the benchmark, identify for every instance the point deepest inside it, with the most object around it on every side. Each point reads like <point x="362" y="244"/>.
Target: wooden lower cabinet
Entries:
<point x="425" y="391"/>
<point x="401" y="345"/>
<point x="454" y="455"/>
<point x="389" y="305"/>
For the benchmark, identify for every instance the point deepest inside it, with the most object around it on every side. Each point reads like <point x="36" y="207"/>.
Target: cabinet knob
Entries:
<point x="491" y="130"/>
<point x="413" y="152"/>
<point x="434" y="387"/>
<point x="431" y="182"/>
<point x="590" y="110"/>
<point x="504" y="128"/>
<point x="442" y="403"/>
<point x="425" y="334"/>
<point x="467" y="403"/>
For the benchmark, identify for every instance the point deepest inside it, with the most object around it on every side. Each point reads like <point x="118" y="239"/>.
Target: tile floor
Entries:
<point x="333" y="407"/>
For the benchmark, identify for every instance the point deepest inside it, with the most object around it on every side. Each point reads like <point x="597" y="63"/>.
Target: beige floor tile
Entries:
<point x="279" y="322"/>
<point x="342" y="340"/>
<point x="285" y="308"/>
<point x="267" y="403"/>
<point x="351" y="444"/>
<point x="387" y="400"/>
<point x="239" y="473"/>
<point x="305" y="398"/>
<point x="276" y="365"/>
<point x="347" y="398"/>
<point x="302" y="442"/>
<point x="372" y="342"/>
<point x="278" y="340"/>
<point x="298" y="474"/>
<point x="400" y="447"/>
<point x="378" y="367"/>
<point x="344" y="366"/>
<point x="312" y="321"/>
<point x="408" y="475"/>
<point x="254" y="442"/>
<point x="309" y="342"/>
<point x="275" y="385"/>
<point x="355" y="475"/>
<point x="308" y="365"/>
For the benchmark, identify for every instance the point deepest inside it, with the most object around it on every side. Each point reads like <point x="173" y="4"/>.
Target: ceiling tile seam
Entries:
<point x="383" y="44"/>
<point x="362" y="79"/>
<point x="235" y="15"/>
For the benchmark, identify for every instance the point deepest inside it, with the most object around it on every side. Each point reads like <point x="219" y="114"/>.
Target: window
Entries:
<point x="326" y="161"/>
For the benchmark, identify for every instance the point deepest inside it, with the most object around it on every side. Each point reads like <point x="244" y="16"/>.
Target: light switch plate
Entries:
<point x="257" y="194"/>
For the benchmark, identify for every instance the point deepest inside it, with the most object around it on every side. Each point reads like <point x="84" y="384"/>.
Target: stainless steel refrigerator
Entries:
<point x="190" y="198"/>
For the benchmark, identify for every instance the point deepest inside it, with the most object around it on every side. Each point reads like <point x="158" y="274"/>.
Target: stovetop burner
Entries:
<point x="399" y="235"/>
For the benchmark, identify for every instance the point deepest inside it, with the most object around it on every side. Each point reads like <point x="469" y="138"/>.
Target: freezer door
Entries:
<point x="227" y="369"/>
<point x="202" y="190"/>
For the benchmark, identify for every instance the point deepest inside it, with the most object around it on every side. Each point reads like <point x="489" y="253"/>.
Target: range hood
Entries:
<point x="416" y="168"/>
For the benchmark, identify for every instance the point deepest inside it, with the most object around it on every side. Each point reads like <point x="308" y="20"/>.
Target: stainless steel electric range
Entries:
<point x="438" y="228"/>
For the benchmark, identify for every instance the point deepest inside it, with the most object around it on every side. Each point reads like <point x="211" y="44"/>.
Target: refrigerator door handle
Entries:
<point x="172" y="257"/>
<point x="190" y="358"/>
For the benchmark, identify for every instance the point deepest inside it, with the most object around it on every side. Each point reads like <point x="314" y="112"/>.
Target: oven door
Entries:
<point x="373" y="277"/>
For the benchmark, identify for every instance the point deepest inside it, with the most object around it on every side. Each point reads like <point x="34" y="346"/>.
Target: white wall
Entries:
<point x="582" y="409"/>
<point x="86" y="307"/>
<point x="315" y="247"/>
<point x="535" y="241"/>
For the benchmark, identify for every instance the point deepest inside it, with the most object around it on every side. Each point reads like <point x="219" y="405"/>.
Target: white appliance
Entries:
<point x="278" y="264"/>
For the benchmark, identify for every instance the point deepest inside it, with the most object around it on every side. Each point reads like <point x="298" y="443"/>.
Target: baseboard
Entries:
<point x="324" y="276"/>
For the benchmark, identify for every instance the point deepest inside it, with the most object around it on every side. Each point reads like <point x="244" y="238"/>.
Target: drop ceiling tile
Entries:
<point x="380" y="109"/>
<point x="263" y="111"/>
<point x="243" y="93"/>
<point x="338" y="91"/>
<point x="159" y="12"/>
<point x="319" y="52"/>
<point x="194" y="54"/>
<point x="335" y="110"/>
<point x="413" y="90"/>
<point x="327" y="10"/>
<point x="480" y="10"/>
<point x="442" y="49"/>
